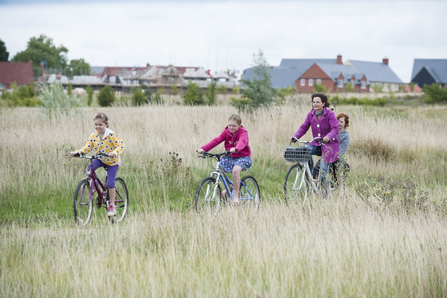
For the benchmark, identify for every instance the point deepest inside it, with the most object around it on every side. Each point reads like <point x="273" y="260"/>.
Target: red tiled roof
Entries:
<point x="19" y="72"/>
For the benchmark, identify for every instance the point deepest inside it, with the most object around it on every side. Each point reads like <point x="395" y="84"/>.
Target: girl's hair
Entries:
<point x="236" y="118"/>
<point x="323" y="97"/>
<point x="343" y="115"/>
<point x="102" y="116"/>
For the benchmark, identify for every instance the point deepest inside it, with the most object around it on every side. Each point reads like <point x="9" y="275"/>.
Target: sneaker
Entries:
<point x="111" y="211"/>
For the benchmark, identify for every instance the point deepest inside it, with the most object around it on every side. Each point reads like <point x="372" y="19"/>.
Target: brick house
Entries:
<point x="429" y="71"/>
<point x="332" y="73"/>
<point x="333" y="77"/>
<point x="20" y="73"/>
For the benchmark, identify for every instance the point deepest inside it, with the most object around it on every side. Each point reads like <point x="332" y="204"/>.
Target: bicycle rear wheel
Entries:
<point x="82" y="206"/>
<point x="249" y="193"/>
<point x="296" y="186"/>
<point x="121" y="200"/>
<point x="326" y="183"/>
<point x="208" y="196"/>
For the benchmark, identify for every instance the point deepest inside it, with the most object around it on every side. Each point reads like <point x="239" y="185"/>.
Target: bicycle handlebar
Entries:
<point x="218" y="155"/>
<point x="318" y="139"/>
<point x="97" y="156"/>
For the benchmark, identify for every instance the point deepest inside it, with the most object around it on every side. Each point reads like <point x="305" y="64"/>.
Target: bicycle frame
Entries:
<point x="97" y="184"/>
<point x="219" y="174"/>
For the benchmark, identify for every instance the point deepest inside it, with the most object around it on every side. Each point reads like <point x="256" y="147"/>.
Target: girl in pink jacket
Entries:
<point x="235" y="137"/>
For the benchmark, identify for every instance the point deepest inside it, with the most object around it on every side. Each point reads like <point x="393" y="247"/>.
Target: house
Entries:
<point x="333" y="77"/>
<point x="378" y="73"/>
<point x="332" y="73"/>
<point x="20" y="73"/>
<point x="429" y="71"/>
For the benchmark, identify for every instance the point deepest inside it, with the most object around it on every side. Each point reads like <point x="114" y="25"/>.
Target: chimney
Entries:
<point x="385" y="60"/>
<point x="147" y="65"/>
<point x="339" y="59"/>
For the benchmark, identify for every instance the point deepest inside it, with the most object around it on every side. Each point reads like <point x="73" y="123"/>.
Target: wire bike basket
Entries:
<point x="297" y="154"/>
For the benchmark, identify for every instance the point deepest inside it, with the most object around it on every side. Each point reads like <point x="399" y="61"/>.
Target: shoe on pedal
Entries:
<point x="111" y="211"/>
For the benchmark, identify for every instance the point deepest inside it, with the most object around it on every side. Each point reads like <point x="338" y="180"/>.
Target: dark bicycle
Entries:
<point x="89" y="187"/>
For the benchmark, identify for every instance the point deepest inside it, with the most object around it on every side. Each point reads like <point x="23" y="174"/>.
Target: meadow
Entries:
<point x="385" y="237"/>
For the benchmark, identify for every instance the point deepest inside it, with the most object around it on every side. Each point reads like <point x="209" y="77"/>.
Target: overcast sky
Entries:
<point x="221" y="35"/>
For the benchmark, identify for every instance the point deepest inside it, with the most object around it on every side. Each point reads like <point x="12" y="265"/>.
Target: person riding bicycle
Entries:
<point x="324" y="124"/>
<point x="235" y="137"/>
<point x="105" y="141"/>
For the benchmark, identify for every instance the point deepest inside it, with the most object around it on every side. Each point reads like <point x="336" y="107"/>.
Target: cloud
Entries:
<point x="225" y="34"/>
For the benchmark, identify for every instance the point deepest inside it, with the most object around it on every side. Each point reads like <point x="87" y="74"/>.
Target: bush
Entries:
<point x="378" y="102"/>
<point x="434" y="93"/>
<point x="69" y="89"/>
<point x="23" y="96"/>
<point x="193" y="95"/>
<point x="319" y="88"/>
<point x="55" y="101"/>
<point x="89" y="91"/>
<point x="211" y="93"/>
<point x="138" y="97"/>
<point x="349" y="87"/>
<point x="174" y="89"/>
<point x="106" y="96"/>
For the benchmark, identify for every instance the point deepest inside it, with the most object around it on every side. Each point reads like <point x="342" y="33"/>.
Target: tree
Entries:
<point x="349" y="87"/>
<point x="4" y="55"/>
<point x="89" y="91"/>
<point x="211" y="93"/>
<point x="259" y="92"/>
<point x="138" y="97"/>
<point x="377" y="87"/>
<point x="106" y="96"/>
<point x="42" y="49"/>
<point x="411" y="85"/>
<point x="193" y="95"/>
<point x="434" y="93"/>
<point x="78" y="67"/>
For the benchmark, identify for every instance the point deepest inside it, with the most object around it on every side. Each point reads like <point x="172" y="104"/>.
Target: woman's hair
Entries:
<point x="102" y="116"/>
<point x="323" y="97"/>
<point x="343" y="115"/>
<point x="236" y="118"/>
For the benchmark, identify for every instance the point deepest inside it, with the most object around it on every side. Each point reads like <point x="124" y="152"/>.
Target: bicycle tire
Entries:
<point x="249" y="193"/>
<point x="207" y="201"/>
<point x="293" y="192"/>
<point x="121" y="201"/>
<point x="325" y="187"/>
<point x="82" y="207"/>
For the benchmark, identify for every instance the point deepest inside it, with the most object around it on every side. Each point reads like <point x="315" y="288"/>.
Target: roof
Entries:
<point x="334" y="70"/>
<point x="436" y="67"/>
<point x="305" y="63"/>
<point x="375" y="71"/>
<point x="281" y="76"/>
<point x="19" y="72"/>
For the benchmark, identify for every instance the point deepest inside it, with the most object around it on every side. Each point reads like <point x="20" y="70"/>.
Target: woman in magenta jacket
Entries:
<point x="324" y="124"/>
<point x="235" y="137"/>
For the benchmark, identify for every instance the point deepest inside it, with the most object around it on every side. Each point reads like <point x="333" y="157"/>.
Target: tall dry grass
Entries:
<point x="328" y="248"/>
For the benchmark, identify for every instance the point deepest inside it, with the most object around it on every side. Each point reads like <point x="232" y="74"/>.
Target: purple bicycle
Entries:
<point x="89" y="187"/>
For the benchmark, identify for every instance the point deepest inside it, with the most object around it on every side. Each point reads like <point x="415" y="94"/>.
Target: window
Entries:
<point x="319" y="81"/>
<point x="303" y="82"/>
<point x="363" y="85"/>
<point x="311" y="82"/>
<point x="396" y="87"/>
<point x="2" y="87"/>
<point x="340" y="83"/>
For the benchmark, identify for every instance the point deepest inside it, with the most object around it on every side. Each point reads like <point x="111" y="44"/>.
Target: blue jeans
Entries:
<point x="316" y="150"/>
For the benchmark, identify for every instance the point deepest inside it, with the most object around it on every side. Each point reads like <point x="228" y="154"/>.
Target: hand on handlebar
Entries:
<point x="326" y="140"/>
<point x="74" y="154"/>
<point x="293" y="140"/>
<point x="200" y="150"/>
<point x="233" y="150"/>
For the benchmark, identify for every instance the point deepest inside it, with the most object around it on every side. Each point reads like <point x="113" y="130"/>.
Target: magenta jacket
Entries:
<point x="327" y="126"/>
<point x="239" y="141"/>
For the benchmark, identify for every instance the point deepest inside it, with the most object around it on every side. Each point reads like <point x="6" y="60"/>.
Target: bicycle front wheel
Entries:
<point x="296" y="186"/>
<point x="121" y="200"/>
<point x="208" y="197"/>
<point x="249" y="193"/>
<point x="82" y="204"/>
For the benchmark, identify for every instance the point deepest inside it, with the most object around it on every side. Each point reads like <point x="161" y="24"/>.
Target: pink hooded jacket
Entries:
<point x="327" y="126"/>
<point x="239" y="141"/>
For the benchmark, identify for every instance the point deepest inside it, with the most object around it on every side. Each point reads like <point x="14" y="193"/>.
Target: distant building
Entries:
<point x="333" y="74"/>
<point x="429" y="71"/>
<point x="20" y="73"/>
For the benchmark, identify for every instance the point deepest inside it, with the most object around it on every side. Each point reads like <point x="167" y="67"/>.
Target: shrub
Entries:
<point x="379" y="102"/>
<point x="236" y="90"/>
<point x="174" y="89"/>
<point x="349" y="87"/>
<point x="89" y="91"/>
<point x="69" y="89"/>
<point x="21" y="96"/>
<point x="55" y="101"/>
<point x="106" y="96"/>
<point x="374" y="148"/>
<point x="138" y="97"/>
<point x="193" y="95"/>
<point x="211" y="93"/>
<point x="434" y="93"/>
<point x="319" y="88"/>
